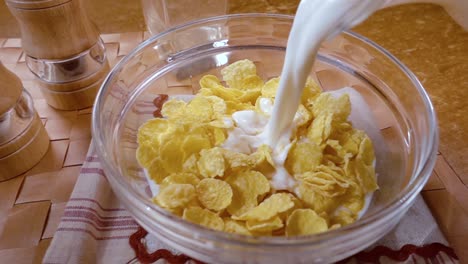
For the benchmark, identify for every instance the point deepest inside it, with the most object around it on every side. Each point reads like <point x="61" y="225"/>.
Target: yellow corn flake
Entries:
<point x="218" y="106"/>
<point x="193" y="144"/>
<point x="251" y="181"/>
<point x="271" y="206"/>
<point x="211" y="163"/>
<point x="241" y="201"/>
<point x="246" y="187"/>
<point x="311" y="91"/>
<point x="156" y="170"/>
<point x="343" y="217"/>
<point x="351" y="140"/>
<point x="354" y="200"/>
<point x="262" y="158"/>
<point x="268" y="225"/>
<point x="210" y="82"/>
<point x="237" y="160"/>
<point x="175" y="211"/>
<point x="324" y="183"/>
<point x="150" y="130"/>
<point x="221" y="123"/>
<point x="321" y="128"/>
<point x="298" y="204"/>
<point x="180" y="178"/>
<point x="303" y="156"/>
<point x="303" y="116"/>
<point x="172" y="155"/>
<point x="236" y="227"/>
<point x="241" y="75"/>
<point x="214" y="194"/>
<point x="190" y="164"/>
<point x="316" y="201"/>
<point x="325" y="103"/>
<point x="199" y="109"/>
<point x="335" y="226"/>
<point x="269" y="88"/>
<point x="234" y="106"/>
<point x="173" y="109"/>
<point x="366" y="152"/>
<point x="145" y="154"/>
<point x="226" y="94"/>
<point x="366" y="176"/>
<point x="219" y="136"/>
<point x="363" y="174"/>
<point x="305" y="222"/>
<point x="175" y="195"/>
<point x="203" y="217"/>
<point x="334" y="149"/>
<point x="250" y="96"/>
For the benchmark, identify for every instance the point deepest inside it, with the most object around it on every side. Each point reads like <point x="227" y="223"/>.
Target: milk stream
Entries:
<point x="315" y="21"/>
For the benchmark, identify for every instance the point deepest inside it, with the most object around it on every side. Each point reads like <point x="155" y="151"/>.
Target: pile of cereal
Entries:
<point x="331" y="163"/>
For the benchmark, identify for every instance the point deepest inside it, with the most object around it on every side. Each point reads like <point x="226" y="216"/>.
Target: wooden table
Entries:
<point x="31" y="205"/>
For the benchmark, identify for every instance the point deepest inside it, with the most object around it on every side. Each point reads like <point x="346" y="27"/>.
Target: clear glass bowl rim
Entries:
<point x="400" y="203"/>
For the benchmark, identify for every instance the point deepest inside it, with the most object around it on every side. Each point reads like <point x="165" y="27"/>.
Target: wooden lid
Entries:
<point x="35" y="4"/>
<point x="10" y="89"/>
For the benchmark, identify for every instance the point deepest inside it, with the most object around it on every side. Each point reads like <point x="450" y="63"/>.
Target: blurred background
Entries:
<point x="115" y="16"/>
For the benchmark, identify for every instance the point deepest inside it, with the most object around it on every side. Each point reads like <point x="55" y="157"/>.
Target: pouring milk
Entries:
<point x="315" y="21"/>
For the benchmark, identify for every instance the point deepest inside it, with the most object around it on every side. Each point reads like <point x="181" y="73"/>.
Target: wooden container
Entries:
<point x="23" y="139"/>
<point x="74" y="100"/>
<point x="53" y="29"/>
<point x="63" y="50"/>
<point x="74" y="95"/>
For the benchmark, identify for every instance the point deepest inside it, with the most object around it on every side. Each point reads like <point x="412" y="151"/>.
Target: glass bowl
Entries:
<point x="173" y="62"/>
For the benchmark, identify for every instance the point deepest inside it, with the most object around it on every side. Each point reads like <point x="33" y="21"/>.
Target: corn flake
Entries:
<point x="246" y="187"/>
<point x="316" y="201"/>
<point x="180" y="178"/>
<point x="303" y="156"/>
<point x="214" y="194"/>
<point x="305" y="222"/>
<point x="265" y="226"/>
<point x="173" y="109"/>
<point x="241" y="75"/>
<point x="271" y="206"/>
<point x="156" y="170"/>
<point x="236" y="227"/>
<point x="269" y="88"/>
<point x="211" y="163"/>
<point x="339" y="107"/>
<point x="203" y="217"/>
<point x="190" y="164"/>
<point x="175" y="195"/>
